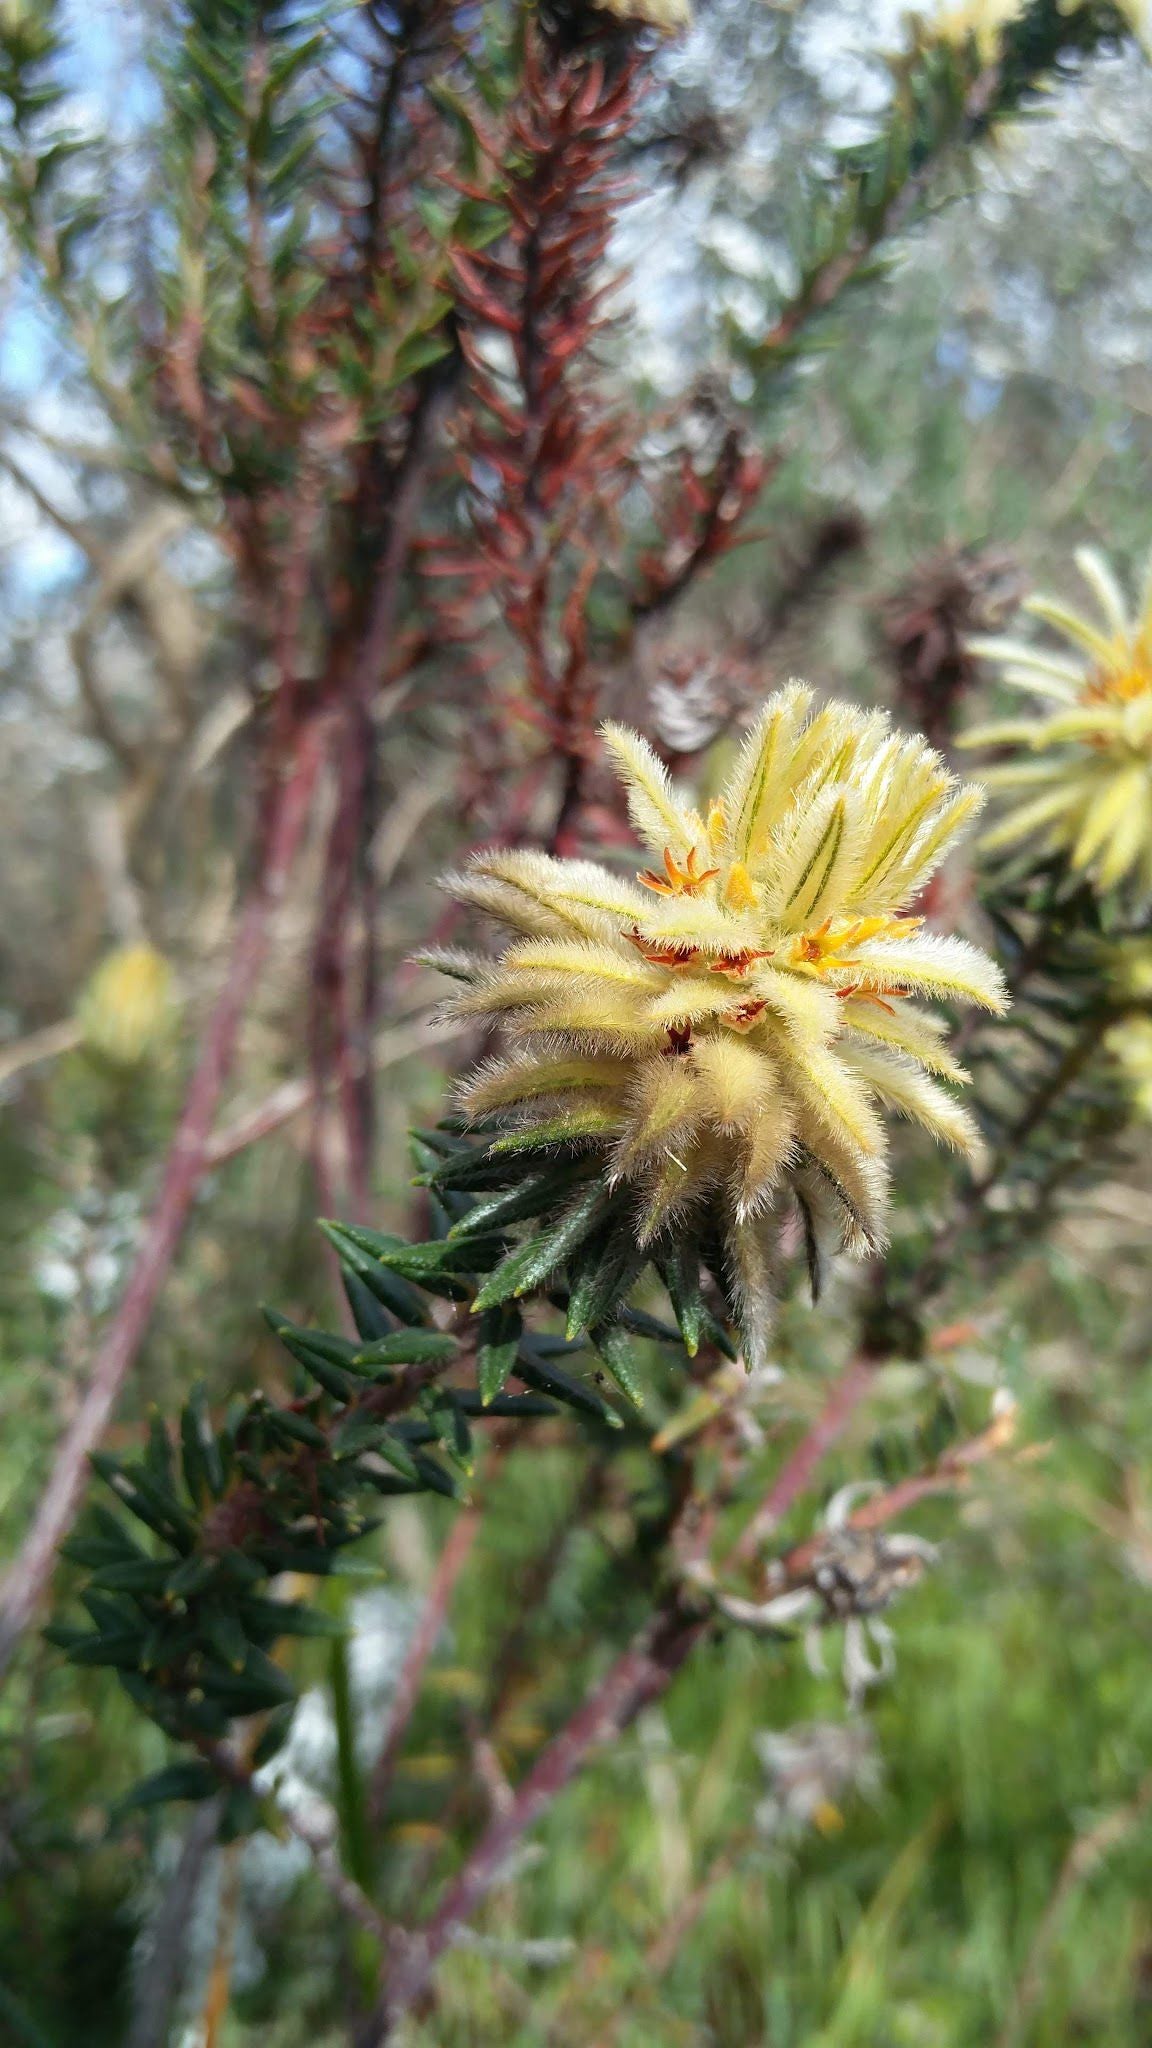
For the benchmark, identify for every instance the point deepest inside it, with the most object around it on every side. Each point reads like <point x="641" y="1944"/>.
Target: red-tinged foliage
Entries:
<point x="546" y="454"/>
<point x="701" y="514"/>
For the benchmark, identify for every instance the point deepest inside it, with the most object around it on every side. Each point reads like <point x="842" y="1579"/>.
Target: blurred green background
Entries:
<point x="969" y="1861"/>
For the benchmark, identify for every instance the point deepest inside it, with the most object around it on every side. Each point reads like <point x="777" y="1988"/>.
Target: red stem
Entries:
<point x="797" y="1472"/>
<point x="637" y="1678"/>
<point x="449" y="1566"/>
<point x="184" y="1168"/>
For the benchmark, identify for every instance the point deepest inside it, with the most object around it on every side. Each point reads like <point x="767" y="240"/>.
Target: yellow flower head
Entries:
<point x="727" y="1025"/>
<point x="671" y="17"/>
<point x="971" y="21"/>
<point x="1083" y="771"/>
<point x="980" y="23"/>
<point x="1130" y="969"/>
<point x="125" y="1009"/>
<point x="1130" y="1044"/>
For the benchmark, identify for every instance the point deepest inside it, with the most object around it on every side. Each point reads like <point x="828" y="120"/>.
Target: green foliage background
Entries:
<point x="993" y="391"/>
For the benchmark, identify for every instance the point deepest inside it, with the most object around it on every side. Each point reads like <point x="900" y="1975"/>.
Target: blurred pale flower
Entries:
<point x="689" y="711"/>
<point x="853" y="1575"/>
<point x="1138" y="15"/>
<point x="125" y="1010"/>
<point x="671" y="17"/>
<point x="812" y="1769"/>
<point x="975" y="21"/>
<point x="960" y="22"/>
<point x="1130" y="969"/>
<point x="728" y="1025"/>
<point x="1130" y="1044"/>
<point x="1082" y="773"/>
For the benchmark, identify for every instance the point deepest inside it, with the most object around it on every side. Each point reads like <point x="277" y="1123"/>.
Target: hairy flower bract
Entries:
<point x="728" y="1025"/>
<point x="1081" y="774"/>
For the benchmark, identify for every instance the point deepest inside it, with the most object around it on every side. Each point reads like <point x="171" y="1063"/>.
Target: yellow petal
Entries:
<point x="937" y="966"/>
<point x="1106" y="810"/>
<point x="501" y="1084"/>
<point x="738" y="891"/>
<point x="1073" y="627"/>
<point x="1131" y="833"/>
<point x="836" y="1099"/>
<point x="901" y="1086"/>
<point x="665" y="1101"/>
<point x="737" y="1079"/>
<point x="659" y="818"/>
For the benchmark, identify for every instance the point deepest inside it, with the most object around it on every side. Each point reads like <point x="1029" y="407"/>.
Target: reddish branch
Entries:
<point x="287" y="544"/>
<point x="701" y="515"/>
<point x="344" y="1002"/>
<point x="545" y="456"/>
<point x="449" y="1566"/>
<point x="28" y="1578"/>
<point x="797" y="1473"/>
<point x="639" y="1676"/>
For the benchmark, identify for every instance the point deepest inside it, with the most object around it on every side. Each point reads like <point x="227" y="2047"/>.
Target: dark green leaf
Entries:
<point x="679" y="1268"/>
<point x="534" y="1195"/>
<point x="602" y="1273"/>
<point x="527" y="1405"/>
<point x="642" y="1324"/>
<point x="399" y="1457"/>
<point x="500" y="1332"/>
<point x="614" y="1346"/>
<point x="65" y="1635"/>
<point x="176" y="1781"/>
<point x="432" y="1475"/>
<point x="530" y="1264"/>
<point x="158" y="1454"/>
<point x="370" y="1317"/>
<point x="451" y="1426"/>
<point x="134" y="1575"/>
<point x="358" y="1432"/>
<point x="225" y="1635"/>
<point x="191" y="1577"/>
<point x="407" y="1347"/>
<point x="100" y="1538"/>
<point x="241" y="1814"/>
<point x="260" y="1684"/>
<point x="286" y="1422"/>
<point x="361" y="1251"/>
<point x="144" y="1496"/>
<point x="547" y="1378"/>
<point x="274" y="1735"/>
<point x="429" y="1263"/>
<point x="575" y="1128"/>
<point x="119" y="1653"/>
<point x="475" y="1172"/>
<point x="290" y="1618"/>
<point x="334" y="1379"/>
